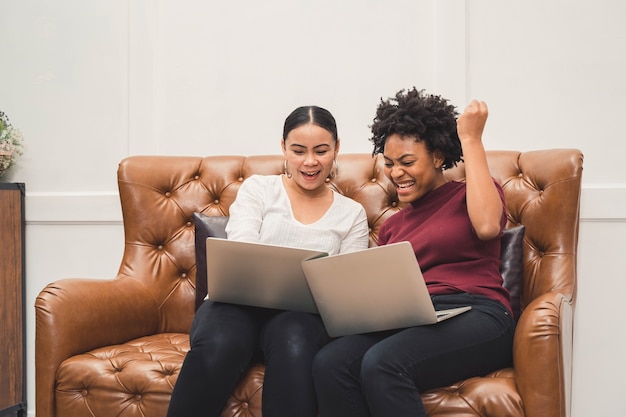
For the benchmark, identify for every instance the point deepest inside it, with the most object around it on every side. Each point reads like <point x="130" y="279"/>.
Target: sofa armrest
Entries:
<point x="542" y="354"/>
<point x="73" y="316"/>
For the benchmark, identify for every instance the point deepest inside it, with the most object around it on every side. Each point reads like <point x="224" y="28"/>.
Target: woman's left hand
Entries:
<point x="471" y="123"/>
<point x="484" y="205"/>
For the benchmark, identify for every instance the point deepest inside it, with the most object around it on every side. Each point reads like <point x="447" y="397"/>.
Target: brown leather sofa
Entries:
<point x="114" y="347"/>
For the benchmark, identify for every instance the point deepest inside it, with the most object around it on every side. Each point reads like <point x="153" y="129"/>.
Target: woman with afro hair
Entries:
<point x="455" y="230"/>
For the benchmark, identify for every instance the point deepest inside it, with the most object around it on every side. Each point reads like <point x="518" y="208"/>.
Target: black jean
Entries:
<point x="225" y="338"/>
<point x="382" y="374"/>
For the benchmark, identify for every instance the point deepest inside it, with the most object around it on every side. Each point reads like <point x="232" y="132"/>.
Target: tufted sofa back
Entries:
<point x="159" y="194"/>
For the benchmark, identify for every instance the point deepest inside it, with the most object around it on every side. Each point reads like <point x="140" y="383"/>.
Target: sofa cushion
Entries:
<point x="130" y="379"/>
<point x="137" y="378"/>
<point x="205" y="226"/>
<point x="511" y="268"/>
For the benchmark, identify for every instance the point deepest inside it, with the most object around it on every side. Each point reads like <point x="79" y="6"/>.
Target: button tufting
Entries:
<point x="216" y="201"/>
<point x="84" y="393"/>
<point x="160" y="247"/>
<point x="168" y="194"/>
<point x="189" y="224"/>
<point x="394" y="204"/>
<point x="244" y="404"/>
<point x="138" y="397"/>
<point x="240" y="178"/>
<point x="373" y="180"/>
<point x="196" y="177"/>
<point x="183" y="275"/>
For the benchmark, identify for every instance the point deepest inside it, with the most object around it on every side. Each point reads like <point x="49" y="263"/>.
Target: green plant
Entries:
<point x="10" y="143"/>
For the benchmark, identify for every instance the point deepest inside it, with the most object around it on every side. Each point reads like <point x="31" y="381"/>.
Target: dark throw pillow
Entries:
<point x="512" y="258"/>
<point x="205" y="226"/>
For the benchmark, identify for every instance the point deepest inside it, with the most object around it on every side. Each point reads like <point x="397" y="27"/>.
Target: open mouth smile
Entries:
<point x="310" y="174"/>
<point x="405" y="185"/>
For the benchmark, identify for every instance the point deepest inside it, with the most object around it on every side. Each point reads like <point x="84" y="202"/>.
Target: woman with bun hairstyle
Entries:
<point x="298" y="209"/>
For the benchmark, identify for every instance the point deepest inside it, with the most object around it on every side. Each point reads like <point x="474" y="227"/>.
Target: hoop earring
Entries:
<point x="287" y="173"/>
<point x="334" y="172"/>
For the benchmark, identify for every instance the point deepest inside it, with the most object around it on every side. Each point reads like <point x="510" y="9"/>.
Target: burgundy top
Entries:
<point x="452" y="258"/>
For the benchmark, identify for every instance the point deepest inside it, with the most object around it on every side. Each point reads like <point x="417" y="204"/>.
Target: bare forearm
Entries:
<point x="483" y="201"/>
<point x="484" y="205"/>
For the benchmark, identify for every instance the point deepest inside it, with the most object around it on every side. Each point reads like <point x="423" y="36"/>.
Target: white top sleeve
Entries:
<point x="262" y="213"/>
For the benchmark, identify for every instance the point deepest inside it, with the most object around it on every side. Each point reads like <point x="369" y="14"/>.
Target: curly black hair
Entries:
<point x="425" y="117"/>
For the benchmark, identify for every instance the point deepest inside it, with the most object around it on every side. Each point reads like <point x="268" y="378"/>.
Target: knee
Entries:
<point x="370" y="365"/>
<point x="220" y="353"/>
<point x="220" y="332"/>
<point x="295" y="324"/>
<point x="294" y="334"/>
<point x="375" y="365"/>
<point x="326" y="366"/>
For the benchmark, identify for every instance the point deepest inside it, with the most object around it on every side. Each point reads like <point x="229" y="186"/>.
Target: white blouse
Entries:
<point x="262" y="213"/>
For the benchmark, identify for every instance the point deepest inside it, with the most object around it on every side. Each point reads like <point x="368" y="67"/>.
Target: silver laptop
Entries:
<point x="375" y="289"/>
<point x="258" y="274"/>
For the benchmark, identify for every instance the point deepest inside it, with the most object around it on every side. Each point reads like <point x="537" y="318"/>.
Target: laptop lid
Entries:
<point x="375" y="289"/>
<point x="258" y="274"/>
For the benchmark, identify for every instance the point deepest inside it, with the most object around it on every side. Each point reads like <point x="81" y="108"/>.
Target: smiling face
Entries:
<point x="412" y="168"/>
<point x="310" y="151"/>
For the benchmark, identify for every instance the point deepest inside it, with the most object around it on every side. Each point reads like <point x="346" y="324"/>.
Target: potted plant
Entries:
<point x="10" y="144"/>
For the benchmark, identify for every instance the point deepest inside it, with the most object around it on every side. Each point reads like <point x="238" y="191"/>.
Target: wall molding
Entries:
<point x="598" y="203"/>
<point x="73" y="208"/>
<point x="603" y="202"/>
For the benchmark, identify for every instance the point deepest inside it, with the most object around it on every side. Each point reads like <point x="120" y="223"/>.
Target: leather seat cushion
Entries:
<point x="134" y="378"/>
<point x="137" y="378"/>
<point x="494" y="394"/>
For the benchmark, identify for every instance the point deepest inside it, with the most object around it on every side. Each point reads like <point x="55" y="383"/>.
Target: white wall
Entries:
<point x="89" y="82"/>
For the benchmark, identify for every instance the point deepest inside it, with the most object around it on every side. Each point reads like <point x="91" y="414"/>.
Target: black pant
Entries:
<point x="382" y="374"/>
<point x="224" y="340"/>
